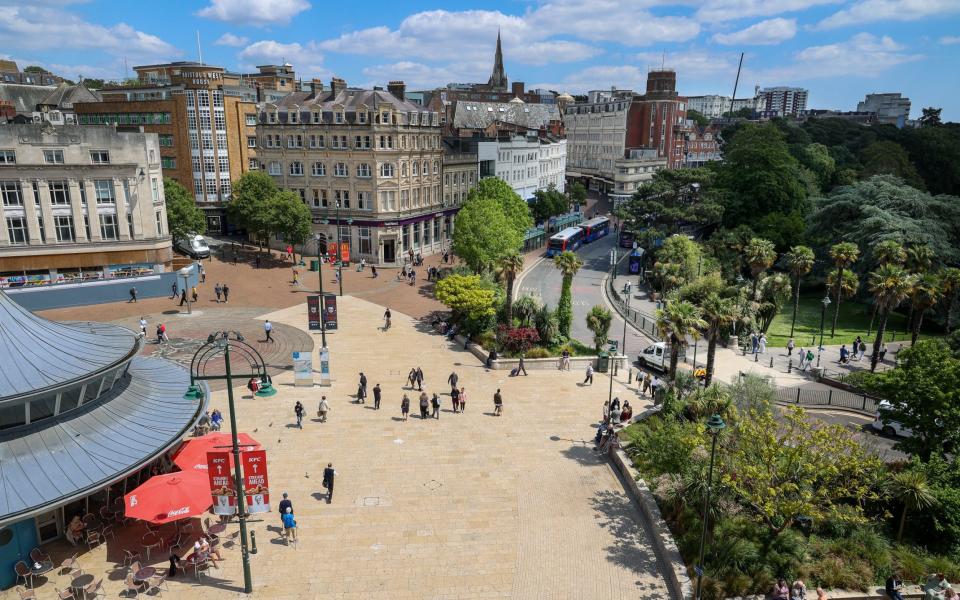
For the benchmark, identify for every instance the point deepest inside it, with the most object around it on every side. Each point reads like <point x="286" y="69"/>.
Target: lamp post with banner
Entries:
<point x="323" y="329"/>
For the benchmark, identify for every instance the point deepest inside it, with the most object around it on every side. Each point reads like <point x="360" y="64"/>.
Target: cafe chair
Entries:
<point x="70" y="565"/>
<point x="65" y="594"/>
<point x="95" y="589"/>
<point x="107" y="532"/>
<point x="25" y="593"/>
<point x="156" y="583"/>
<point x="23" y="572"/>
<point x="132" y="586"/>
<point x="129" y="556"/>
<point x="93" y="539"/>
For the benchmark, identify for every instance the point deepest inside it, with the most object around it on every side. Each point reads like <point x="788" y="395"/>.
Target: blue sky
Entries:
<point x="839" y="49"/>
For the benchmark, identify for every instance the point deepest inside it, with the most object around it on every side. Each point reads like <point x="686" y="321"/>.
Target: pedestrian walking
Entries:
<point x="455" y="399"/>
<point x="218" y="292"/>
<point x="435" y="402"/>
<point x="809" y="360"/>
<point x="754" y="342"/>
<point x="285" y="505"/>
<point x="133" y="295"/>
<point x="647" y="379"/>
<point x="323" y="409"/>
<point x="522" y="367"/>
<point x="362" y="389"/>
<point x="844" y="354"/>
<point x="376" y="397"/>
<point x="412" y="378"/>
<point x="226" y="293"/>
<point x="194" y="294"/>
<point x="762" y="344"/>
<point x="257" y="261"/>
<point x="424" y="404"/>
<point x="463" y="400"/>
<point x="328" y="476"/>
<point x="183" y="296"/>
<point x="453" y="379"/>
<point x="203" y="274"/>
<point x="161" y="331"/>
<point x="143" y="326"/>
<point x="268" y="329"/>
<point x="289" y="252"/>
<point x="589" y="377"/>
<point x="296" y="277"/>
<point x="387" y="315"/>
<point x="173" y="290"/>
<point x="803" y="356"/>
<point x="863" y="348"/>
<point x="419" y="379"/>
<point x="883" y="351"/>
<point x="790" y="346"/>
<point x="856" y="348"/>
<point x="298" y="410"/>
<point x="373" y="271"/>
<point x="405" y="406"/>
<point x="565" y="360"/>
<point x="497" y="403"/>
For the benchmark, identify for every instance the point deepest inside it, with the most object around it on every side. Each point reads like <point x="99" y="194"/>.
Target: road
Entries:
<point x="544" y="281"/>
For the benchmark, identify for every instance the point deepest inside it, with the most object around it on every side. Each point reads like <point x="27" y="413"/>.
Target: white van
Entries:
<point x="655" y="356"/>
<point x="194" y="246"/>
<point x="891" y="428"/>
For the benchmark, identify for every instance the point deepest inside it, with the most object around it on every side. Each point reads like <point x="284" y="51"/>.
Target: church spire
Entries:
<point x="498" y="79"/>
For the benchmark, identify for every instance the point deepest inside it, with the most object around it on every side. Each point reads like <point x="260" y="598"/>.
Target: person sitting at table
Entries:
<point x="207" y="549"/>
<point x="75" y="530"/>
<point x="627" y="413"/>
<point x="936" y="587"/>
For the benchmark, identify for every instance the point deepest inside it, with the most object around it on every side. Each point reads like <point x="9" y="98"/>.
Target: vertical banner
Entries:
<point x="221" y="483"/>
<point x="302" y="369"/>
<point x="332" y="250"/>
<point x="255" y="485"/>
<point x="313" y="313"/>
<point x="324" y="366"/>
<point x="330" y="312"/>
<point x="345" y="252"/>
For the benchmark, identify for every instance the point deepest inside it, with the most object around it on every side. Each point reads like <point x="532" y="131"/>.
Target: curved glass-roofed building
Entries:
<point x="83" y="418"/>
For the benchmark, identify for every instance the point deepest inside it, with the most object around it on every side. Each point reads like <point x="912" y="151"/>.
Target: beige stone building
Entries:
<point x="80" y="203"/>
<point x="461" y="171"/>
<point x="364" y="159"/>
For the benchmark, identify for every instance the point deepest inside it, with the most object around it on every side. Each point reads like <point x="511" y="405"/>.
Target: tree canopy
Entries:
<point x="482" y="234"/>
<point x="675" y="198"/>
<point x="291" y="218"/>
<point x="549" y="203"/>
<point x="466" y="295"/>
<point x="249" y="206"/>
<point x="183" y="215"/>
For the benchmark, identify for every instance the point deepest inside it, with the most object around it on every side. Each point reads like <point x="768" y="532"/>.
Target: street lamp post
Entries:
<point x="823" y="313"/>
<point x="714" y="425"/>
<point x="219" y="343"/>
<point x="339" y="252"/>
<point x="323" y="327"/>
<point x="625" y="330"/>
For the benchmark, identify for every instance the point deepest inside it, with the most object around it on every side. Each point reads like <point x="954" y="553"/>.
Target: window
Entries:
<point x="219" y="120"/>
<point x="315" y="117"/>
<point x="11" y="193"/>
<point x="338" y="117"/>
<point x="205" y="120"/>
<point x="340" y="170"/>
<point x="363" y="233"/>
<point x="275" y="168"/>
<point x="436" y="229"/>
<point x="404" y="200"/>
<point x="446" y="179"/>
<point x="272" y="117"/>
<point x="386" y="170"/>
<point x="155" y="189"/>
<point x="53" y="157"/>
<point x="210" y="166"/>
<point x="436" y="167"/>
<point x="211" y="187"/>
<point x="17" y="230"/>
<point x="159" y="217"/>
<point x="194" y="141"/>
<point x="59" y="193"/>
<point x="8" y="157"/>
<point x="207" y="141"/>
<point x="296" y="168"/>
<point x="100" y="157"/>
<point x="361" y="117"/>
<point x="64" y="228"/>
<point x="363" y="200"/>
<point x="251" y="141"/>
<point x="386" y="142"/>
<point x="104" y="191"/>
<point x="416" y="232"/>
<point x="203" y="98"/>
<point x="167" y="162"/>
<point x="254" y="164"/>
<point x="294" y="116"/>
<point x="343" y="142"/>
<point x="416" y="197"/>
<point x="318" y="169"/>
<point x="406" y="236"/>
<point x="218" y="98"/>
<point x="403" y="169"/>
<point x="415" y="168"/>
<point x="426" y="233"/>
<point x="316" y="198"/>
<point x="363" y="170"/>
<point x="251" y="120"/>
<point x="108" y="227"/>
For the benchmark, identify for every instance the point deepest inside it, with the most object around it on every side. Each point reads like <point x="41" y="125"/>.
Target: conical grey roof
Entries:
<point x="36" y="354"/>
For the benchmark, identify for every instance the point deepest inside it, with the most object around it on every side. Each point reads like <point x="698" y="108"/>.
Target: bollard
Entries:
<point x="771" y="361"/>
<point x="744" y="350"/>
<point x="814" y="340"/>
<point x="629" y="375"/>
<point x="756" y="357"/>
<point x="790" y="365"/>
<point x="253" y="542"/>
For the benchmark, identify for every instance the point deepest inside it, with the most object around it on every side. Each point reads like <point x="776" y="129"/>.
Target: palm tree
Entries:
<point x="773" y="294"/>
<point x="598" y="321"/>
<point x="568" y="263"/>
<point x="525" y="308"/>
<point x="887" y="252"/>
<point x="507" y="269"/>
<point x="951" y="285"/>
<point x="843" y="254"/>
<point x="848" y="285"/>
<point x="925" y="293"/>
<point x="910" y="488"/>
<point x="890" y="285"/>
<point x="760" y="255"/>
<point x="676" y="322"/>
<point x="718" y="313"/>
<point x="919" y="261"/>
<point x="800" y="259"/>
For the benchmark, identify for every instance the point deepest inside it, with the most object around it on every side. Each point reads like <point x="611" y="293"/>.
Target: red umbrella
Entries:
<point x="192" y="455"/>
<point x="170" y="497"/>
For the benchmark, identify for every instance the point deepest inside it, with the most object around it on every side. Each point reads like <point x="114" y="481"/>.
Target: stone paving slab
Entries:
<point x="467" y="506"/>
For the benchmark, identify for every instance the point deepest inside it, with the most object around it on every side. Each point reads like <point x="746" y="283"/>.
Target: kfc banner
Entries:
<point x="255" y="484"/>
<point x="221" y="483"/>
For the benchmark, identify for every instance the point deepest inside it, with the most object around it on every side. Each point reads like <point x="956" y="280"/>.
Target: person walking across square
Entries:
<point x="226" y="293"/>
<point x="405" y="406"/>
<point x="463" y="400"/>
<point x="589" y="377"/>
<point x="435" y="401"/>
<point x="497" y="403"/>
<point x="328" y="476"/>
<point x="522" y="368"/>
<point x="268" y="329"/>
<point x="455" y="399"/>
<point x="424" y="404"/>
<point x="376" y="397"/>
<point x="218" y="291"/>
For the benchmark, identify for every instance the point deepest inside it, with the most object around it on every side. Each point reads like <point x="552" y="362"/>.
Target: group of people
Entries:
<point x="210" y="421"/>
<point x="615" y="414"/>
<point x="795" y="591"/>
<point x="758" y="343"/>
<point x="859" y="349"/>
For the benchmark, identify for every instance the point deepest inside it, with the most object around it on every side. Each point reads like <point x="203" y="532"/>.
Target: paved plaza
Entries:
<point x="467" y="506"/>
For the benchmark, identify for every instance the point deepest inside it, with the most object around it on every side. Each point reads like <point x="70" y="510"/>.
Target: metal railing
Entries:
<point x="644" y="322"/>
<point x="831" y="397"/>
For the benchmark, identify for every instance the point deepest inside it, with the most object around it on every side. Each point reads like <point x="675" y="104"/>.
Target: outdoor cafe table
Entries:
<point x="217" y="528"/>
<point x="150" y="540"/>
<point x="81" y="581"/>
<point x="144" y="574"/>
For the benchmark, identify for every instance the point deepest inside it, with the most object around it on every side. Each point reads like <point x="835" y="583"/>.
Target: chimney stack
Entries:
<point x="316" y="86"/>
<point x="337" y="85"/>
<point x="517" y="89"/>
<point x="398" y="89"/>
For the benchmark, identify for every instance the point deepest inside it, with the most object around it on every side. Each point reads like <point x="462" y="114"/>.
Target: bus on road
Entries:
<point x="595" y="228"/>
<point x="567" y="240"/>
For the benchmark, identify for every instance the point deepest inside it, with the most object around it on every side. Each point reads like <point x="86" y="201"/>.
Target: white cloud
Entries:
<point x="254" y="12"/>
<point x="764" y="33"/>
<point x="950" y="40"/>
<point x="37" y="28"/>
<point x="229" y="39"/>
<point x="863" y="55"/>
<point x="871" y="11"/>
<point x="730" y="10"/>
<point x="691" y="63"/>
<point x="623" y="21"/>
<point x="306" y="58"/>
<point x="416" y="74"/>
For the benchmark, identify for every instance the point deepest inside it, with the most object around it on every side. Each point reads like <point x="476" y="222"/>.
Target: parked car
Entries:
<point x="194" y="246"/>
<point x="890" y="428"/>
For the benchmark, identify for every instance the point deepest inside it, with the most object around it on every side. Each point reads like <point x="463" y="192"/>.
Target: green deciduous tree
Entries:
<point x="249" y="206"/>
<point x="514" y="207"/>
<point x="598" y="322"/>
<point x="924" y="397"/>
<point x="291" y="219"/>
<point x="183" y="216"/>
<point x="507" y="269"/>
<point x="675" y="322"/>
<point x="843" y="255"/>
<point x="817" y="158"/>
<point x="889" y="158"/>
<point x="568" y="263"/>
<point x="675" y="197"/>
<point x="466" y="296"/>
<point x="800" y="260"/>
<point x="578" y="193"/>
<point x="482" y="234"/>
<point x="930" y="117"/>
<point x="549" y="203"/>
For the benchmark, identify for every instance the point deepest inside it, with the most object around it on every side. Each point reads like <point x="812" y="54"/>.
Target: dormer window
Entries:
<point x="315" y="117"/>
<point x="338" y="117"/>
<point x="294" y="116"/>
<point x="413" y="119"/>
<point x="385" y="118"/>
<point x="362" y="117"/>
<point x="272" y="117"/>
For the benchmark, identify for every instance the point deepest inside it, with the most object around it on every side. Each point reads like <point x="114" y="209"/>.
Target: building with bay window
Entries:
<point x="367" y="163"/>
<point x="80" y="204"/>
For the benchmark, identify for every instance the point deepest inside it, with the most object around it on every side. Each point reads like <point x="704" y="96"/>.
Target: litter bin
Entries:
<point x="603" y="362"/>
<point x="314" y="265"/>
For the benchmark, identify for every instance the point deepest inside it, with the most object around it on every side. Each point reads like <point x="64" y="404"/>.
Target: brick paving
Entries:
<point x="467" y="506"/>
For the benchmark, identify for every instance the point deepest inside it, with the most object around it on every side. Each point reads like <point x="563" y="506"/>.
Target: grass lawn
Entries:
<point x="854" y="319"/>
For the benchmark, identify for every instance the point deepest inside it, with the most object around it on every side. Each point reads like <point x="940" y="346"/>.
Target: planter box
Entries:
<point x="538" y="364"/>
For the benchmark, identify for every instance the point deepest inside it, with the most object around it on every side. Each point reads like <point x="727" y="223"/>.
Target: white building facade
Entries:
<point x="527" y="163"/>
